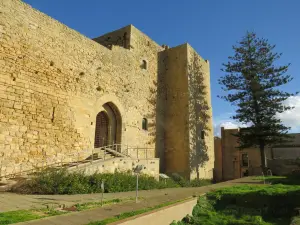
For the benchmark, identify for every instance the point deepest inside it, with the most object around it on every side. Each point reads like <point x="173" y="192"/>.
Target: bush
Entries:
<point x="179" y="180"/>
<point x="200" y="182"/>
<point x="193" y="183"/>
<point x="60" y="181"/>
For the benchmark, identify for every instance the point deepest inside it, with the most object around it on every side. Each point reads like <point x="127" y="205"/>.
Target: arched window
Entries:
<point x="145" y="124"/>
<point x="144" y="65"/>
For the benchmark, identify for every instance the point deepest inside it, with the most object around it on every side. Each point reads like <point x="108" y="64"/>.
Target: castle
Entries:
<point x="64" y="94"/>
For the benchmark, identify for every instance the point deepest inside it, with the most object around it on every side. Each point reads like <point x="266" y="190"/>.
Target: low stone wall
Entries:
<point x="163" y="216"/>
<point x="151" y="166"/>
<point x="282" y="167"/>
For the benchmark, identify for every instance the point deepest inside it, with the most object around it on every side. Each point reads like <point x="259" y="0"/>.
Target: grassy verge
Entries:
<point x="293" y="179"/>
<point x="245" y="204"/>
<point x="33" y="214"/>
<point x="26" y="215"/>
<point x="92" y="205"/>
<point x="126" y="215"/>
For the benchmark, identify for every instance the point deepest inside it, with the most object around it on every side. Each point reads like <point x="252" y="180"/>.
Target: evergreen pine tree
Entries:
<point x="252" y="84"/>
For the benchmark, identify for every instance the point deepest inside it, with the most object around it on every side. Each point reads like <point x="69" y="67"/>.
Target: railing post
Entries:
<point x="20" y="169"/>
<point x="77" y="160"/>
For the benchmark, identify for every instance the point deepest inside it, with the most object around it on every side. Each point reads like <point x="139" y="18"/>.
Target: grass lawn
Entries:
<point x="18" y="216"/>
<point x="33" y="214"/>
<point x="288" y="180"/>
<point x="26" y="215"/>
<point x="246" y="204"/>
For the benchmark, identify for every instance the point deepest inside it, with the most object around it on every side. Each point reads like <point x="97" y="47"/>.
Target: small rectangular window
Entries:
<point x="245" y="160"/>
<point x="145" y="124"/>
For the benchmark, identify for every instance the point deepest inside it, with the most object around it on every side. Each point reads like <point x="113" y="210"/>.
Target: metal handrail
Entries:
<point x="126" y="149"/>
<point x="62" y="162"/>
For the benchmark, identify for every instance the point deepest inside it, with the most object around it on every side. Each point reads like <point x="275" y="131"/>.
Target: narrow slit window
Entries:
<point x="202" y="134"/>
<point x="145" y="124"/>
<point x="53" y="113"/>
<point x="144" y="65"/>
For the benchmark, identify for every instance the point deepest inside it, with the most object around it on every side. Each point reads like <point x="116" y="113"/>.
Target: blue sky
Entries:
<point x="211" y="27"/>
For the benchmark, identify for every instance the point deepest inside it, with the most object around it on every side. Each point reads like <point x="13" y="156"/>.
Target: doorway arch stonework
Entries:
<point x="108" y="129"/>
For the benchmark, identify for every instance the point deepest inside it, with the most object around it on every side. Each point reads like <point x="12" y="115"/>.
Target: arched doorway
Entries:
<point x="101" y="131"/>
<point x="108" y="126"/>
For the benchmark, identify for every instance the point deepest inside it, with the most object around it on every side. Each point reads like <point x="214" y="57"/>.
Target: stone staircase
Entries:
<point x="98" y="155"/>
<point x="105" y="159"/>
<point x="73" y="161"/>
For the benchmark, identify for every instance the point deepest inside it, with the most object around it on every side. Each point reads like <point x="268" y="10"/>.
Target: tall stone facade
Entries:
<point x="63" y="94"/>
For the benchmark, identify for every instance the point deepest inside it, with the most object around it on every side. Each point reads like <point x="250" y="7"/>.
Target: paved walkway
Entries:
<point x="10" y="201"/>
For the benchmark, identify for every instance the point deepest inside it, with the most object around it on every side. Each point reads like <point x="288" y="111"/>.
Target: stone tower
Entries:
<point x="184" y="81"/>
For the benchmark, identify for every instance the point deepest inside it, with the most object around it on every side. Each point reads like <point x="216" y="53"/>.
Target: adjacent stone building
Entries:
<point x="232" y="163"/>
<point x="63" y="94"/>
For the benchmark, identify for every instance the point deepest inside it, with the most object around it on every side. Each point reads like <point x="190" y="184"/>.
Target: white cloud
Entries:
<point x="227" y="124"/>
<point x="289" y="118"/>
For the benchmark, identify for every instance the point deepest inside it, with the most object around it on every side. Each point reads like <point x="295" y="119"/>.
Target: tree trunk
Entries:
<point x="263" y="158"/>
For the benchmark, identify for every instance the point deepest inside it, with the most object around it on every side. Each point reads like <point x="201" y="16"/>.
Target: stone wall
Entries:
<point x="232" y="157"/>
<point x="54" y="81"/>
<point x="187" y="113"/>
<point x="201" y="138"/>
<point x="218" y="165"/>
<point x="151" y="166"/>
<point x="163" y="216"/>
<point x="283" y="167"/>
<point x="176" y="124"/>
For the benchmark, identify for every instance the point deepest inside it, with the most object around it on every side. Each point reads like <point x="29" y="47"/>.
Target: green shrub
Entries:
<point x="179" y="180"/>
<point x="200" y="182"/>
<point x="182" y="182"/>
<point x="60" y="181"/>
